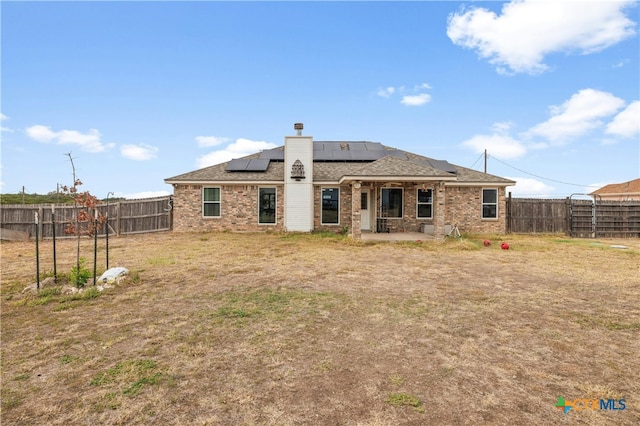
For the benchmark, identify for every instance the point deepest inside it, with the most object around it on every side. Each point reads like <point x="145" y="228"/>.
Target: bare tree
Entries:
<point x="84" y="204"/>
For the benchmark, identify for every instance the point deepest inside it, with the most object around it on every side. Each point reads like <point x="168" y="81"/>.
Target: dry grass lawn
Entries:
<point x="278" y="329"/>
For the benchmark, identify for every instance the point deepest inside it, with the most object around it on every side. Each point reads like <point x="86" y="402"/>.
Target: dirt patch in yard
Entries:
<point x="279" y="329"/>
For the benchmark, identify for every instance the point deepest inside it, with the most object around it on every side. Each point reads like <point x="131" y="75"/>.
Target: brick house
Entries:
<point x="309" y="185"/>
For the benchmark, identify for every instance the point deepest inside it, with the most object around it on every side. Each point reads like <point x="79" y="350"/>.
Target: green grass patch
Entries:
<point x="67" y="359"/>
<point x="400" y="399"/>
<point x="614" y="325"/>
<point x="22" y="377"/>
<point x="593" y="321"/>
<point x="266" y="304"/>
<point x="127" y="379"/>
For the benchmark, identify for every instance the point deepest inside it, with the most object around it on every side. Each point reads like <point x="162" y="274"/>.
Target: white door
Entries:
<point x="365" y="214"/>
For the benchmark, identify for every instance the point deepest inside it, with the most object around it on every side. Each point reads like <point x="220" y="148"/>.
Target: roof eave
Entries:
<point x="413" y="178"/>
<point x="480" y="183"/>
<point x="224" y="182"/>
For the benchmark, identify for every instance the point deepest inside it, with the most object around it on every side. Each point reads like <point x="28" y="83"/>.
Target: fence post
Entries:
<point x="37" y="252"/>
<point x="509" y="227"/>
<point x="53" y="233"/>
<point x="567" y="203"/>
<point x="40" y="228"/>
<point x="118" y="218"/>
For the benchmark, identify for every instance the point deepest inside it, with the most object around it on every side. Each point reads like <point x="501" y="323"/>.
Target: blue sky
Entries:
<point x="142" y="91"/>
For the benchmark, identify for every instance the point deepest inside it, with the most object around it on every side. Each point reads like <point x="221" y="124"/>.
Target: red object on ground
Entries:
<point x="505" y="246"/>
<point x="487" y="243"/>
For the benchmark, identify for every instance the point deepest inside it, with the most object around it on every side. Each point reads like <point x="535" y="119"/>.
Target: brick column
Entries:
<point x="356" y="227"/>
<point x="440" y="210"/>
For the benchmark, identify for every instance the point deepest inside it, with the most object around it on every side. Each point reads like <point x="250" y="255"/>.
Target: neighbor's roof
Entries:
<point x="379" y="163"/>
<point x="625" y="188"/>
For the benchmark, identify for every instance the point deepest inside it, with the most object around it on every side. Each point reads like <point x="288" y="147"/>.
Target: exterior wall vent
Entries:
<point x="297" y="170"/>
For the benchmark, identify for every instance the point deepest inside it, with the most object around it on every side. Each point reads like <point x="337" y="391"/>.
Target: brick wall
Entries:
<point x="345" y="209"/>
<point x="464" y="207"/>
<point x="238" y="209"/>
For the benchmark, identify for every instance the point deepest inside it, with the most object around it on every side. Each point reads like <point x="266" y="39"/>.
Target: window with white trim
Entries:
<point x="391" y="203"/>
<point x="425" y="204"/>
<point x="211" y="202"/>
<point x="489" y="203"/>
<point x="267" y="206"/>
<point x="330" y="206"/>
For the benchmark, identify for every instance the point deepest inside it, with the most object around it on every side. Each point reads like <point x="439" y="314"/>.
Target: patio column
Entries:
<point x="356" y="225"/>
<point x="440" y="210"/>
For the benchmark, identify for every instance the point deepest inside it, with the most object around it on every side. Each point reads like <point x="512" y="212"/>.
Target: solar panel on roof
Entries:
<point x="273" y="154"/>
<point x="237" y="165"/>
<point x="258" y="165"/>
<point x="357" y="146"/>
<point x="364" y="155"/>
<point x="322" y="156"/>
<point x="373" y="146"/>
<point x="443" y="165"/>
<point x="341" y="155"/>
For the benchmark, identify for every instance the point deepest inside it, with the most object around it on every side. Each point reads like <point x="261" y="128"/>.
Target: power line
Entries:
<point x="481" y="155"/>
<point x="538" y="176"/>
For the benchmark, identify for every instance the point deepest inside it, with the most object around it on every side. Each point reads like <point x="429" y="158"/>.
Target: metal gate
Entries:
<point x="582" y="217"/>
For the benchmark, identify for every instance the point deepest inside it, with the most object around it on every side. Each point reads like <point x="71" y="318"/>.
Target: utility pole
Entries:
<point x="485" y="161"/>
<point x="22" y="194"/>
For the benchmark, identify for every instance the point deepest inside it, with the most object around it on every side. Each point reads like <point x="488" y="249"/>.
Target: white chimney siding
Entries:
<point x="298" y="194"/>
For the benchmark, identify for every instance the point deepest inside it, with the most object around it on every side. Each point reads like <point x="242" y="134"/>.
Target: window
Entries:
<point x="489" y="203"/>
<point x="211" y="202"/>
<point x="267" y="206"/>
<point x="330" y="206"/>
<point x="392" y="202"/>
<point x="425" y="203"/>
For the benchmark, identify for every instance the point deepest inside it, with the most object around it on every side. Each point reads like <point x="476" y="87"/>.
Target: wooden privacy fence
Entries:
<point x="575" y="217"/>
<point x="124" y="217"/>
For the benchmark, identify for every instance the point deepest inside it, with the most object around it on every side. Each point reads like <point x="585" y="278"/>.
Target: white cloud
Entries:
<point x="416" y="100"/>
<point x="40" y="133"/>
<point x="89" y="142"/>
<point x="240" y="148"/>
<point x="206" y="141"/>
<point x="408" y="99"/>
<point x="386" y="92"/>
<point x="498" y="145"/>
<point x="627" y="123"/>
<point x="2" y="128"/>
<point x="141" y="152"/>
<point x="518" y="39"/>
<point x="582" y="113"/>
<point x="528" y="187"/>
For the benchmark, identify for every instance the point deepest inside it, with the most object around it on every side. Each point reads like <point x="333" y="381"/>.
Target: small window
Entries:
<point x="211" y="202"/>
<point x="267" y="207"/>
<point x="489" y="203"/>
<point x="425" y="203"/>
<point x="330" y="206"/>
<point x="391" y="202"/>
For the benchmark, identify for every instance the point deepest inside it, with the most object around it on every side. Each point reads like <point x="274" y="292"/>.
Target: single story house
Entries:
<point x="339" y="186"/>
<point x="626" y="191"/>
